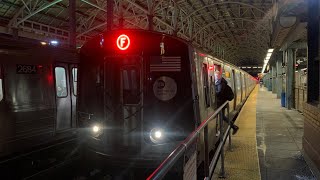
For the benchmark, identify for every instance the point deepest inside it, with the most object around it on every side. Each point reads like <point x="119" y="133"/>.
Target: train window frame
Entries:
<point x="55" y="77"/>
<point x="1" y="84"/>
<point x="137" y="84"/>
<point x="74" y="80"/>
<point x="206" y="88"/>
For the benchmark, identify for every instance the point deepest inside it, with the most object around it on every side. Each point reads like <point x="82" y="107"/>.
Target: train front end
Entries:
<point x="135" y="96"/>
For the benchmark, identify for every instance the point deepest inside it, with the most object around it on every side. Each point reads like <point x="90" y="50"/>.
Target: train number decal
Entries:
<point x="26" y="69"/>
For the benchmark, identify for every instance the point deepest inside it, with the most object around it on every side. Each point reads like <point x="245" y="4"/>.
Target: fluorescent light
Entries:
<point x="54" y="42"/>
<point x="269" y="54"/>
<point x="270" y="50"/>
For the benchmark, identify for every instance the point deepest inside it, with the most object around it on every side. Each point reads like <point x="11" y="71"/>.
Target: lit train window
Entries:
<point x="61" y="82"/>
<point x="130" y="85"/>
<point x="74" y="80"/>
<point x="206" y="84"/>
<point x="1" y="90"/>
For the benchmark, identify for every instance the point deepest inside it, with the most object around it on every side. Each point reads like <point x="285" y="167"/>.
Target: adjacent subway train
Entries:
<point x="141" y="93"/>
<point x="37" y="95"/>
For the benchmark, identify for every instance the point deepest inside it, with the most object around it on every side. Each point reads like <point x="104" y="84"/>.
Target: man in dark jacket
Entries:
<point x="224" y="93"/>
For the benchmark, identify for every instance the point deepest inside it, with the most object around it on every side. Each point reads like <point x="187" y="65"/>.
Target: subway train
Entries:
<point x="140" y="93"/>
<point x="38" y="86"/>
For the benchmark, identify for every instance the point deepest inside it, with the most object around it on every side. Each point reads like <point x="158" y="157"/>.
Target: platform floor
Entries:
<point x="269" y="142"/>
<point x="279" y="140"/>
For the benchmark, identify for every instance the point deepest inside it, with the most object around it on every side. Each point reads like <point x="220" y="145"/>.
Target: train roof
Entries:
<point x="95" y="43"/>
<point x="32" y="51"/>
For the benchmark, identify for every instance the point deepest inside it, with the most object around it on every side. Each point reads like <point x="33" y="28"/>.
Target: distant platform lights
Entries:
<point x="52" y="43"/>
<point x="251" y="67"/>
<point x="266" y="60"/>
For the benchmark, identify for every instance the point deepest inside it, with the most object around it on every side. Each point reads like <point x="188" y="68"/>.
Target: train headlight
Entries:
<point x="156" y="135"/>
<point x="96" y="128"/>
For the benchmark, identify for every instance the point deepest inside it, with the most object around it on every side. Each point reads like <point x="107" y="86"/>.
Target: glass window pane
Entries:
<point x="61" y="82"/>
<point x="131" y="85"/>
<point x="74" y="77"/>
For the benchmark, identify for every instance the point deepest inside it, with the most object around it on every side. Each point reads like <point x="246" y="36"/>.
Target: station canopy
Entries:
<point x="239" y="31"/>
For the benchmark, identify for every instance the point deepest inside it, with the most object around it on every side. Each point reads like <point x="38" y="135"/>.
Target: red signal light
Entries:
<point x="123" y="42"/>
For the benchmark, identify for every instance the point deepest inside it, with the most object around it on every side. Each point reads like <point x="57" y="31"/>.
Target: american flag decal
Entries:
<point x="165" y="63"/>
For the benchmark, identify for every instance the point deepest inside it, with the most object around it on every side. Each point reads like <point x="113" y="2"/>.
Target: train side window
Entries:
<point x="61" y="82"/>
<point x="130" y="85"/>
<point x="206" y="84"/>
<point x="1" y="90"/>
<point x="75" y="80"/>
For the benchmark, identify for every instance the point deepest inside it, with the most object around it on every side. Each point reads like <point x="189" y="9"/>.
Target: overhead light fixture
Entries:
<point x="266" y="60"/>
<point x="270" y="50"/>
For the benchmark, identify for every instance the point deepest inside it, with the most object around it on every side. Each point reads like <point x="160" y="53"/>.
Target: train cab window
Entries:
<point x="206" y="84"/>
<point x="74" y="80"/>
<point x="1" y="90"/>
<point x="61" y="82"/>
<point x="130" y="85"/>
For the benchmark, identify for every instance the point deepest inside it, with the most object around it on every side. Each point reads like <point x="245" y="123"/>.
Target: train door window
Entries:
<point x="61" y="82"/>
<point x="206" y="84"/>
<point x="1" y="90"/>
<point x="75" y="80"/>
<point x="130" y="85"/>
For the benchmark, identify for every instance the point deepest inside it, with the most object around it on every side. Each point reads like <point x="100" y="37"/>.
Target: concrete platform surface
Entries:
<point x="268" y="145"/>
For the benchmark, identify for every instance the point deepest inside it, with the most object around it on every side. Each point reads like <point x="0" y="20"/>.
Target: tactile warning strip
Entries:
<point x="242" y="163"/>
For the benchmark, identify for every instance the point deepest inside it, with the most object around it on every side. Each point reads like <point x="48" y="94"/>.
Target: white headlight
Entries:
<point x="156" y="135"/>
<point x="95" y="128"/>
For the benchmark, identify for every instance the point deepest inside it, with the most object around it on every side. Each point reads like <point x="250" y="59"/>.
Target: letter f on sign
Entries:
<point x="122" y="41"/>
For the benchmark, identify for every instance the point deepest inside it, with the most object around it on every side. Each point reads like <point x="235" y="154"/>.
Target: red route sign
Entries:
<point x="123" y="42"/>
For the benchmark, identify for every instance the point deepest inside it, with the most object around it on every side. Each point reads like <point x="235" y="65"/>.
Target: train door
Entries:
<point x="63" y="97"/>
<point x="73" y="74"/>
<point x="241" y="86"/>
<point x="235" y="89"/>
<point x="1" y="82"/>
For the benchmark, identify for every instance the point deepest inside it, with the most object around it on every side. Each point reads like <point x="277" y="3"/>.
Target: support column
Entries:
<point x="290" y="78"/>
<point x="311" y="109"/>
<point x="279" y="76"/>
<point x="72" y="24"/>
<point x="150" y="22"/>
<point x="270" y="79"/>
<point x="313" y="91"/>
<point x="109" y="15"/>
<point x="274" y="79"/>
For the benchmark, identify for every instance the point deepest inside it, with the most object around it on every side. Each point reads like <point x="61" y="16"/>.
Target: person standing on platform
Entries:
<point x="224" y="93"/>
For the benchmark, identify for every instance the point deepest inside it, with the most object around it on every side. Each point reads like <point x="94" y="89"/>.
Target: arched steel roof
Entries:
<point x="234" y="30"/>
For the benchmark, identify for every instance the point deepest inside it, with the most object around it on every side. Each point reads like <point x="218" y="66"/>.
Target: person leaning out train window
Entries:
<point x="224" y="93"/>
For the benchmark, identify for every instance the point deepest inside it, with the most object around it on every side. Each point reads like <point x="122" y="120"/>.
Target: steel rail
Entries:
<point x="165" y="166"/>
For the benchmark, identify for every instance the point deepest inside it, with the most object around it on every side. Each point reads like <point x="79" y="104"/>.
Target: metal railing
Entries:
<point x="179" y="151"/>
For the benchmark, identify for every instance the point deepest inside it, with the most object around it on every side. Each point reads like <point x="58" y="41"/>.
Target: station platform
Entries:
<point x="268" y="145"/>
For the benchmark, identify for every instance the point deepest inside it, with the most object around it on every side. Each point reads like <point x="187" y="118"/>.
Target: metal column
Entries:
<point x="313" y="89"/>
<point x="72" y="24"/>
<point x="274" y="78"/>
<point x="109" y="15"/>
<point x="279" y="76"/>
<point x="290" y="78"/>
<point x="270" y="79"/>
